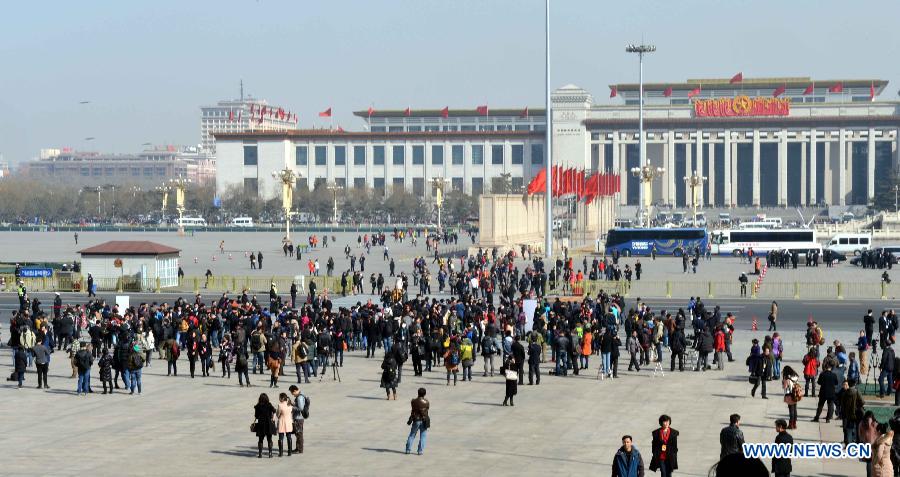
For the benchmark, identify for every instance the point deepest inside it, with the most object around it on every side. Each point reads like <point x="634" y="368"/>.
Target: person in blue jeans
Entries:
<point x="135" y="368"/>
<point x="83" y="361"/>
<point x="419" y="422"/>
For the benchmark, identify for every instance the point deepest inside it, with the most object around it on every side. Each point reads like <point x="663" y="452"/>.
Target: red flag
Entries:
<point x="539" y="183"/>
<point x="524" y="113"/>
<point x="340" y="129"/>
<point x="579" y="185"/>
<point x="445" y="113"/>
<point x="251" y="108"/>
<point x="231" y="115"/>
<point x="407" y="112"/>
<point x="872" y="91"/>
<point x="736" y="78"/>
<point x="613" y="91"/>
<point x="371" y="110"/>
<point x="668" y="92"/>
<point x="325" y="114"/>
<point x="263" y="113"/>
<point x="694" y="92"/>
<point x="482" y="110"/>
<point x="809" y="89"/>
<point x="555" y="181"/>
<point x="778" y="91"/>
<point x="838" y="88"/>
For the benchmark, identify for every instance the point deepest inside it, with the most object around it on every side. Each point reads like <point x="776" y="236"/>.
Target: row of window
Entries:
<point x="135" y="171"/>
<point x="398" y="154"/>
<point x="251" y="184"/>
<point x="464" y="127"/>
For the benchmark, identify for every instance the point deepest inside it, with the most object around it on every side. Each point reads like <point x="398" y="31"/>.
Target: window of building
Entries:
<point x="319" y="183"/>
<point x="134" y="172"/>
<point x="477" y="186"/>
<point x="397" y="183"/>
<point x="419" y="186"/>
<point x="457" y="184"/>
<point x="477" y="154"/>
<point x="340" y="155"/>
<point x="415" y="128"/>
<point x="467" y="127"/>
<point x="86" y="171"/>
<point x="378" y="183"/>
<point x="523" y="127"/>
<point x="457" y="152"/>
<point x="250" y="157"/>
<point x="518" y="154"/>
<point x="378" y="155"/>
<point x="303" y="183"/>
<point x="251" y="186"/>
<point x="537" y="154"/>
<point x="486" y="127"/>
<point x="108" y="171"/>
<point x="399" y="155"/>
<point x="148" y="171"/>
<point x="340" y="182"/>
<point x="517" y="183"/>
<point x="395" y="128"/>
<point x="497" y="154"/>
<point x="359" y="182"/>
<point x="418" y="155"/>
<point x="451" y="128"/>
<point x="359" y="155"/>
<point x="160" y="171"/>
<point x="378" y="129"/>
<point x="437" y="154"/>
<point x="301" y="155"/>
<point x="321" y="155"/>
<point x="432" y="128"/>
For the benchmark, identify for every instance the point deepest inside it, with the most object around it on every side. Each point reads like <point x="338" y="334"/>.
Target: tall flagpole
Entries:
<point x="548" y="239"/>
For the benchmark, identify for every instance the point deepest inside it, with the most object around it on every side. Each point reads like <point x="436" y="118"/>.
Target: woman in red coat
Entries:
<point x="664" y="448"/>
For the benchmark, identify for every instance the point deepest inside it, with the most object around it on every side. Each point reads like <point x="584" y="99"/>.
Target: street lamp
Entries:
<point x="694" y="181"/>
<point x="288" y="178"/>
<point x="164" y="189"/>
<point x="641" y="50"/>
<point x="438" y="183"/>
<point x="179" y="184"/>
<point x="334" y="188"/>
<point x="645" y="176"/>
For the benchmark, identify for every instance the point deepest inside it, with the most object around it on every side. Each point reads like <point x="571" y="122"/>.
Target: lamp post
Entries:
<point x="164" y="189"/>
<point x="645" y="176"/>
<point x="438" y="183"/>
<point x="641" y="50"/>
<point x="548" y="138"/>
<point x="694" y="181"/>
<point x="334" y="188"/>
<point x="179" y="184"/>
<point x="288" y="178"/>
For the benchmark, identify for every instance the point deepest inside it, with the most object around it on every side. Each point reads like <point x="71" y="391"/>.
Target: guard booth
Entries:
<point x="130" y="266"/>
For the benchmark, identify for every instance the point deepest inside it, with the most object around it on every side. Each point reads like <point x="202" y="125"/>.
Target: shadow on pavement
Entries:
<point x="240" y="452"/>
<point x="383" y="451"/>
<point x="372" y="398"/>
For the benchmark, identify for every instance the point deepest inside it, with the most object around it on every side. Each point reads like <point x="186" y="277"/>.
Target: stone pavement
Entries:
<point x="565" y="426"/>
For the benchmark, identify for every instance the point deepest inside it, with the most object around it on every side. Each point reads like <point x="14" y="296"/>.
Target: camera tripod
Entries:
<point x="335" y="372"/>
<point x="873" y="352"/>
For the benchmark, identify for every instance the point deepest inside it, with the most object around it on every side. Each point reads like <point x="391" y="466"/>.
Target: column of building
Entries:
<point x="727" y="200"/>
<point x="711" y="173"/>
<point x="670" y="167"/>
<point x="870" y="167"/>
<point x="813" y="170"/>
<point x="842" y="168"/>
<point x="698" y="161"/>
<point x="782" y="168"/>
<point x="756" y="184"/>
<point x="803" y="169"/>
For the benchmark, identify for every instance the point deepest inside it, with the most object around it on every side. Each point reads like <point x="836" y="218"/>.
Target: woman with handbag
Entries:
<point x="263" y="425"/>
<point x="285" y="423"/>
<point x="790" y="383"/>
<point x="511" y="373"/>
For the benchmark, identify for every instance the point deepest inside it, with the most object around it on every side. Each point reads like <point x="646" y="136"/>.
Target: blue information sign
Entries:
<point x="36" y="272"/>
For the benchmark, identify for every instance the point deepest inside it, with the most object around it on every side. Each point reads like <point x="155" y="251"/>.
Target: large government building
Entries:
<point x="759" y="142"/>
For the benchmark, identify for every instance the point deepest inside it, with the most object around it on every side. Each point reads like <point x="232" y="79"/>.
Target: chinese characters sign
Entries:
<point x="741" y="106"/>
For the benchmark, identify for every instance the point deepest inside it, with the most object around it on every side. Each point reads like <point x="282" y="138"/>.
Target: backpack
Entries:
<point x="488" y="346"/>
<point x="303" y="351"/>
<point x="83" y="360"/>
<point x="404" y="353"/>
<point x="305" y="411"/>
<point x="454" y="357"/>
<point x="255" y="341"/>
<point x="137" y="361"/>
<point x="796" y="393"/>
<point x="820" y="336"/>
<point x="242" y="360"/>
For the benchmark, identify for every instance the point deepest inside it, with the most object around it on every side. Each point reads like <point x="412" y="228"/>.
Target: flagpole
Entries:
<point x="548" y="151"/>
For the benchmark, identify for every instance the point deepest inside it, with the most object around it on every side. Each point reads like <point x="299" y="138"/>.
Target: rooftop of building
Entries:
<point x="129" y="247"/>
<point x="339" y="134"/>
<point x="523" y="112"/>
<point x="726" y="84"/>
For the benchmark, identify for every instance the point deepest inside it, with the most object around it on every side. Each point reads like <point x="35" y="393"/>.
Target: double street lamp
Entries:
<point x="179" y="184"/>
<point x="334" y="188"/>
<point x="288" y="178"/>
<point x="438" y="184"/>
<point x="646" y="175"/>
<point x="641" y="50"/>
<point x="694" y="181"/>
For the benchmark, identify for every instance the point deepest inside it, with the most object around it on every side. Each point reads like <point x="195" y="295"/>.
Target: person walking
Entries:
<point x="534" y="361"/>
<point x="627" y="462"/>
<point x="242" y="367"/>
<point x="284" y="414"/>
<point x="300" y="411"/>
<point x="42" y="363"/>
<point x="264" y="426"/>
<point x="851" y="403"/>
<point x="792" y="394"/>
<point x="105" y="365"/>
<point x="389" y="375"/>
<point x="773" y="317"/>
<point x="83" y="361"/>
<point x="781" y="466"/>
<point x="887" y="371"/>
<point x="20" y="358"/>
<point x="451" y="361"/>
<point x="511" y="373"/>
<point x="731" y="438"/>
<point x="419" y="421"/>
<point x="828" y="382"/>
<point x="135" y="366"/>
<point x="664" y="448"/>
<point x="881" y="455"/>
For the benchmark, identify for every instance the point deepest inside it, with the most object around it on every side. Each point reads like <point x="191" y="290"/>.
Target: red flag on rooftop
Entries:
<point x="872" y="91"/>
<point x="231" y="115"/>
<point x="809" y="89"/>
<point x="668" y="92"/>
<point x="445" y="113"/>
<point x="325" y="114"/>
<point x="838" y="88"/>
<point x="524" y="114"/>
<point x="736" y="78"/>
<point x="482" y="110"/>
<point x="340" y="129"/>
<point x="407" y="112"/>
<point x="613" y="91"/>
<point x="778" y="91"/>
<point x="263" y="111"/>
<point x="371" y="110"/>
<point x="694" y="92"/>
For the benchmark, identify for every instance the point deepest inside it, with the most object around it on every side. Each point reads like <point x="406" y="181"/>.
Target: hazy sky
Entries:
<point x="147" y="66"/>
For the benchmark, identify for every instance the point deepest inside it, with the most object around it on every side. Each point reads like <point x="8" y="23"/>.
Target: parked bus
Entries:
<point x="734" y="242"/>
<point x="191" y="222"/>
<point x="630" y="241"/>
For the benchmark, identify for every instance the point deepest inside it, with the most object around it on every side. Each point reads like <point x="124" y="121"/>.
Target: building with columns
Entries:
<point x="818" y="142"/>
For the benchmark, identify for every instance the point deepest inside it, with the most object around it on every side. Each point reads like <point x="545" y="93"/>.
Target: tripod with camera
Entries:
<point x="870" y="373"/>
<point x="331" y="354"/>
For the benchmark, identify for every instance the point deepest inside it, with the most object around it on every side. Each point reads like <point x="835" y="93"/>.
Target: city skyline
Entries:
<point x="145" y="70"/>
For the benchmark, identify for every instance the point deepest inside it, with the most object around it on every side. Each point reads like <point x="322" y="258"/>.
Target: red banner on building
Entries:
<point x="741" y="106"/>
